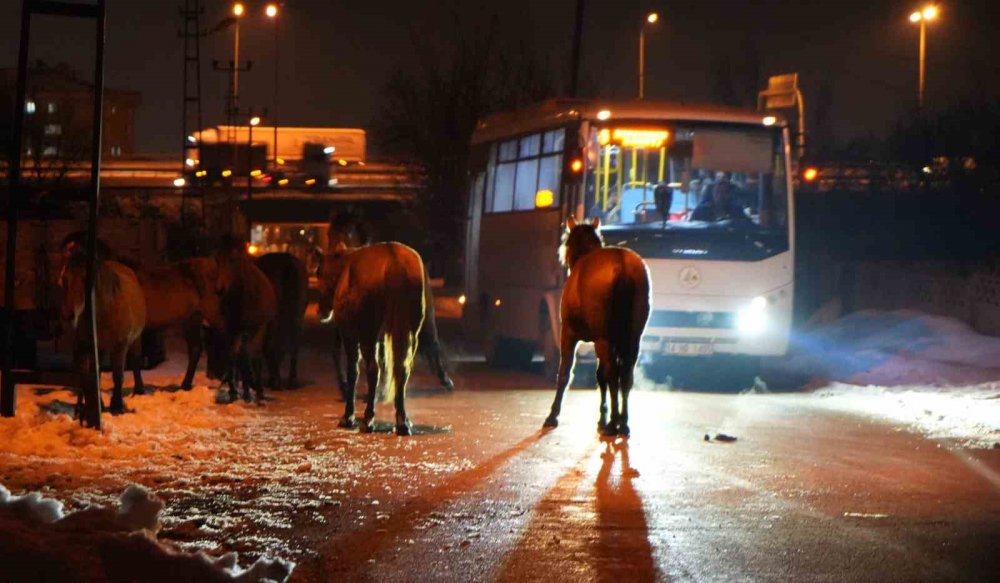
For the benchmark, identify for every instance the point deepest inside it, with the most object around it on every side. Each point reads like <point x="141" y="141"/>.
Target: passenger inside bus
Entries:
<point x="720" y="205"/>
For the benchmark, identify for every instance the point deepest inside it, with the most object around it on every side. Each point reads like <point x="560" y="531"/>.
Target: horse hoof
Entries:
<point x="349" y="423"/>
<point x="404" y="429"/>
<point x="139" y="391"/>
<point x="623" y="430"/>
<point x="186" y="387"/>
<point x="117" y="409"/>
<point x="608" y="431"/>
<point x="550" y="422"/>
<point x="368" y="426"/>
<point x="448" y="384"/>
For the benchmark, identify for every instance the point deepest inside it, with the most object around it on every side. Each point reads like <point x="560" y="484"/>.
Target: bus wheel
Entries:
<point x="658" y="371"/>
<point x="509" y="353"/>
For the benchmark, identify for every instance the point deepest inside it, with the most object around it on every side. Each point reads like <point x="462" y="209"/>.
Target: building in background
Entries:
<point x="58" y="110"/>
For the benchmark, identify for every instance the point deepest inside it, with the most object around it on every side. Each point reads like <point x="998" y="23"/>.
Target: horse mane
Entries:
<point x="579" y="241"/>
<point x="107" y="281"/>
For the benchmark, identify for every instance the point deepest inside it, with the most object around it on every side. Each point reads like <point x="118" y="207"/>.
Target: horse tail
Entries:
<point x="629" y="312"/>
<point x="404" y="305"/>
<point x="622" y="303"/>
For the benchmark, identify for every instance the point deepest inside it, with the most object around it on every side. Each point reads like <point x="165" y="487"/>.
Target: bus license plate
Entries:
<point x="689" y="349"/>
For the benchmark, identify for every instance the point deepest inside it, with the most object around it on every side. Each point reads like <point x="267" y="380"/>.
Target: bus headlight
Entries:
<point x="752" y="318"/>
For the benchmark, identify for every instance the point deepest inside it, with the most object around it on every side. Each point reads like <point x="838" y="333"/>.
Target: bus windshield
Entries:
<point x="690" y="176"/>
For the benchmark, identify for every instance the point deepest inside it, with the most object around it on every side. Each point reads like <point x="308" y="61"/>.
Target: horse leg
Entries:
<point x="567" y="355"/>
<point x="432" y="354"/>
<point x="350" y="350"/>
<point x="614" y="383"/>
<point x="605" y="378"/>
<point x="273" y="357"/>
<point x="602" y="382"/>
<point x="400" y="376"/>
<point x="627" y="376"/>
<point x="339" y="350"/>
<point x="192" y="335"/>
<point x="118" y="377"/>
<point x="134" y="361"/>
<point x="293" y="357"/>
<point x="369" y="351"/>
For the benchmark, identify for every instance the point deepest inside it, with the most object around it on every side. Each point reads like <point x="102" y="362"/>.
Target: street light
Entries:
<point x="272" y="12"/>
<point x="922" y="17"/>
<point x="651" y="19"/>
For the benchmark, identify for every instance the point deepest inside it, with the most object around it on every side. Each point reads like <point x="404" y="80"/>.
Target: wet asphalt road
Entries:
<point x="803" y="494"/>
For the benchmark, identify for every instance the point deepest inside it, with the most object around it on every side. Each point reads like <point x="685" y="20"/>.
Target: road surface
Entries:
<point x="482" y="494"/>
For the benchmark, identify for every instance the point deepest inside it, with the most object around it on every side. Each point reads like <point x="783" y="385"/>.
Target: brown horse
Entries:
<point x="429" y="345"/>
<point x="247" y="309"/>
<point x="287" y="274"/>
<point x="182" y="294"/>
<point x="605" y="301"/>
<point x="121" y="314"/>
<point x="375" y="296"/>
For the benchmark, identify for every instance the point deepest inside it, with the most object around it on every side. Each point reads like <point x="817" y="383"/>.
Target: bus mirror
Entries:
<point x="663" y="195"/>
<point x="544" y="199"/>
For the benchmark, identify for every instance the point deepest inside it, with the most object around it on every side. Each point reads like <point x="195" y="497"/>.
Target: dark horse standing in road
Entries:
<point x="287" y="274"/>
<point x="121" y="315"/>
<point x="375" y="296"/>
<point x="247" y="310"/>
<point x="605" y="301"/>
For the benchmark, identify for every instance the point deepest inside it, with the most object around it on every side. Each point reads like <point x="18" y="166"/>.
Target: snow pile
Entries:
<point x="164" y="423"/>
<point x="969" y="415"/>
<point x="108" y="544"/>
<point x="893" y="349"/>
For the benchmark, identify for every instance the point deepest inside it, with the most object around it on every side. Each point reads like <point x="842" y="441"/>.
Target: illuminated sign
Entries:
<point x="634" y="138"/>
<point x="544" y="199"/>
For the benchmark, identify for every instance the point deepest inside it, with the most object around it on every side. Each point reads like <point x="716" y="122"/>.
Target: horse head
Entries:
<point x="329" y="274"/>
<point x="72" y="283"/>
<point x="204" y="274"/>
<point x="230" y="253"/>
<point x="578" y="240"/>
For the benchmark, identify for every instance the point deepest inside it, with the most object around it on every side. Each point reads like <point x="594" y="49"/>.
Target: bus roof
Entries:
<point x="556" y="112"/>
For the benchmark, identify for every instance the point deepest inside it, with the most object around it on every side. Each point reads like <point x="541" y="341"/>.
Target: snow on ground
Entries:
<point x="108" y="544"/>
<point x="931" y="373"/>
<point x="259" y="480"/>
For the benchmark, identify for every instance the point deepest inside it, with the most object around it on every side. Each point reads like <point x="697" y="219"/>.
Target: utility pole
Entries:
<point x="574" y="71"/>
<point x="191" y="120"/>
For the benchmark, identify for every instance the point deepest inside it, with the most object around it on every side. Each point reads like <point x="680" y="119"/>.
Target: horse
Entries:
<point x="121" y="316"/>
<point x="429" y="345"/>
<point x="247" y="310"/>
<point x="181" y="293"/>
<point x="375" y="297"/>
<point x="287" y="275"/>
<point x="605" y="300"/>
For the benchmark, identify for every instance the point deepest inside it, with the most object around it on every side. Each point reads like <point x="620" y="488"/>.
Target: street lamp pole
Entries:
<point x="238" y="10"/>
<point x="272" y="13"/>
<point x="254" y="122"/>
<point x="922" y="17"/>
<point x="651" y="18"/>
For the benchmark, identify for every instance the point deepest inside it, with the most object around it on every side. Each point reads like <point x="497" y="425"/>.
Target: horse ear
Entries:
<point x="570" y="223"/>
<point x="595" y="222"/>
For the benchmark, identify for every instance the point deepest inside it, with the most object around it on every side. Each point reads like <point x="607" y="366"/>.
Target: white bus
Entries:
<point x="720" y="256"/>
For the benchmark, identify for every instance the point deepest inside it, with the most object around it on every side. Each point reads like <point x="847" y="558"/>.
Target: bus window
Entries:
<point x="718" y="175"/>
<point x="517" y="169"/>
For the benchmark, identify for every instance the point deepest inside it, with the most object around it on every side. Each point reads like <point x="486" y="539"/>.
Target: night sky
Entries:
<point x="336" y="55"/>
